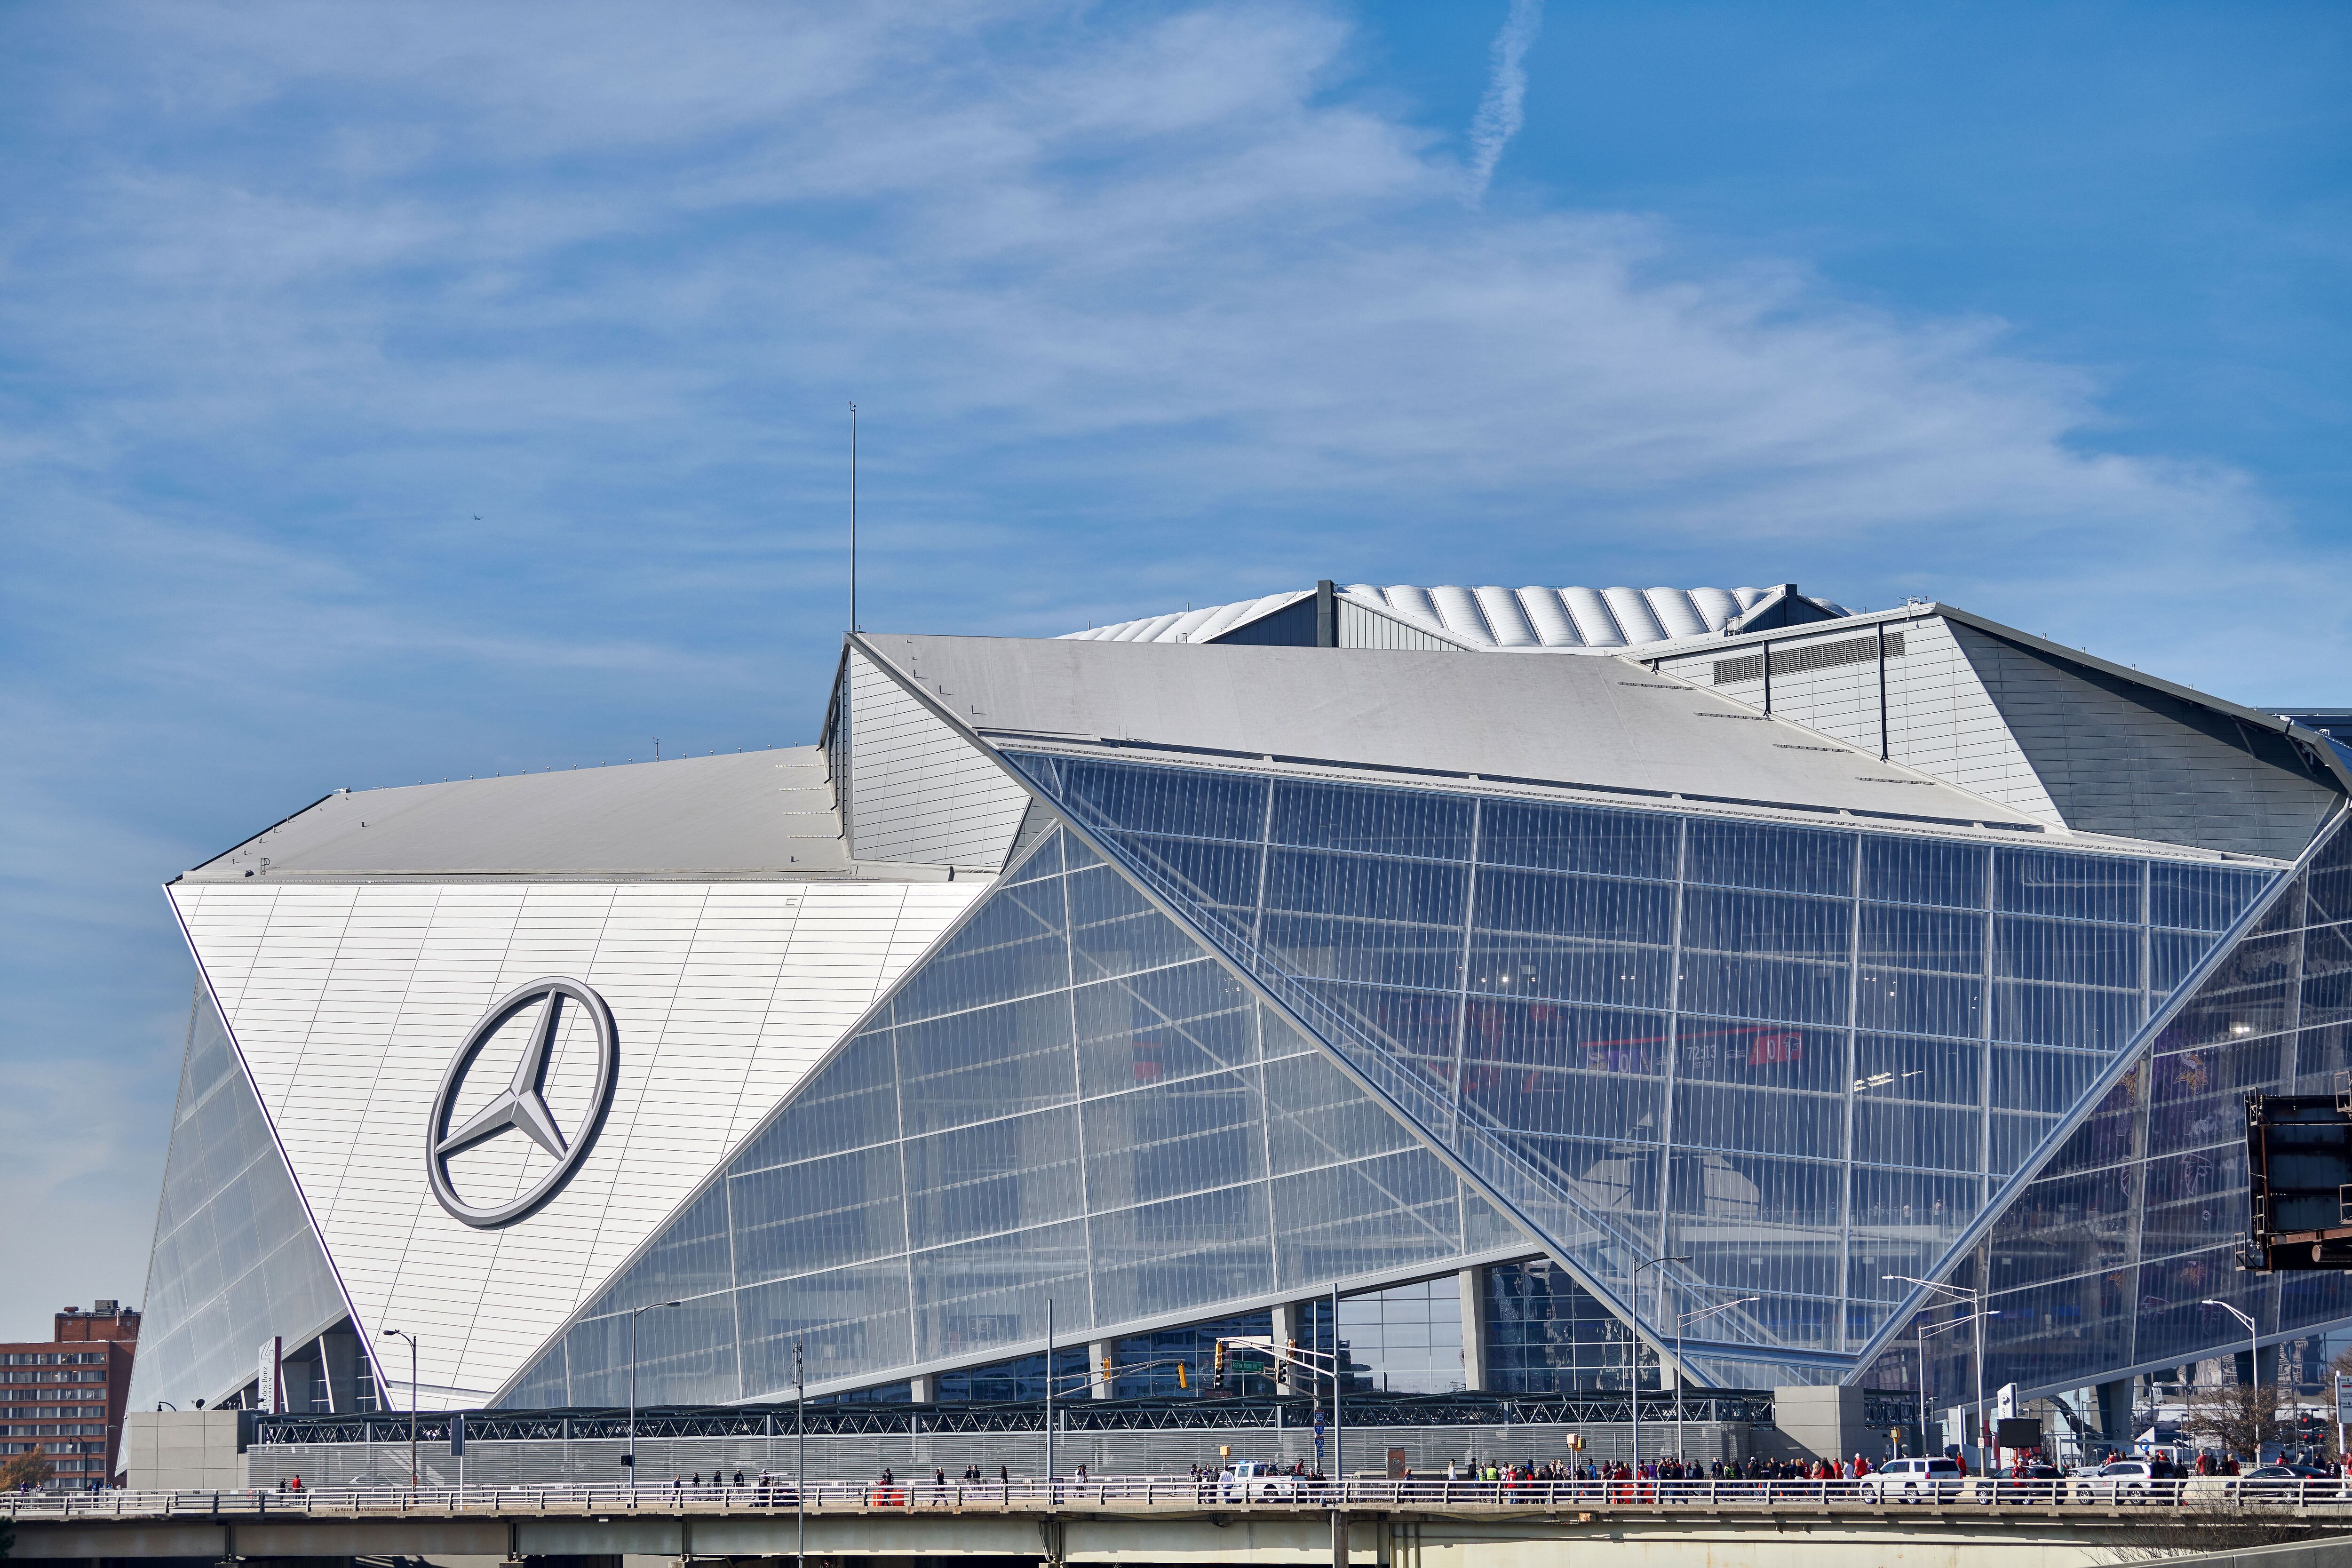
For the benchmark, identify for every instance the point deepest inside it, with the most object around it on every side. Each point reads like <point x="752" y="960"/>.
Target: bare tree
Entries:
<point x="2246" y="1417"/>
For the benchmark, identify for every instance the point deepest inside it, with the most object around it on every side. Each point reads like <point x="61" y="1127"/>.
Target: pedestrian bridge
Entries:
<point x="1175" y="1519"/>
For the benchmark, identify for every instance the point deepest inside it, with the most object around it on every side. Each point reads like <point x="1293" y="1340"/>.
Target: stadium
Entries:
<point x="1707" y="990"/>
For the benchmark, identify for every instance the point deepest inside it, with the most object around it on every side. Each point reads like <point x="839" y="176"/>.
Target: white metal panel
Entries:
<point x="1549" y="617"/>
<point x="1676" y="613"/>
<point x="348" y="1002"/>
<point x="918" y="790"/>
<point x="1940" y="720"/>
<point x="1632" y="609"/>
<point x="1593" y="622"/>
<point x="1459" y="611"/>
<point x="1840" y="699"/>
<point x="1508" y="618"/>
<point x="1360" y="625"/>
<point x="1718" y="607"/>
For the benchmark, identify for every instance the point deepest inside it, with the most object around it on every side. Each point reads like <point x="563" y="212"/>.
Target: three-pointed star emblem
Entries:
<point x="521" y="1106"/>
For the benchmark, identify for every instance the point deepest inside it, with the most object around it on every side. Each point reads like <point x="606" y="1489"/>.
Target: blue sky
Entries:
<point x="402" y="392"/>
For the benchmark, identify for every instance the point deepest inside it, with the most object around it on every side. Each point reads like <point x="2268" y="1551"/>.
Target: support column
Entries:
<point x="1097" y="1352"/>
<point x="1474" y="1329"/>
<point x="2115" y="1412"/>
<point x="923" y="1388"/>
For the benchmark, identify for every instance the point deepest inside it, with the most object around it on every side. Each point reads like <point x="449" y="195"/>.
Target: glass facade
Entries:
<point x="1797" y="1057"/>
<point x="1403" y="1340"/>
<point x="235" y="1259"/>
<point x="1546" y="1334"/>
<point x="1069" y="1103"/>
<point x="2103" y="1263"/>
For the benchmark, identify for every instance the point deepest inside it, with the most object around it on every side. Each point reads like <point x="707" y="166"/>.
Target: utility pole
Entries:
<point x="800" y="1458"/>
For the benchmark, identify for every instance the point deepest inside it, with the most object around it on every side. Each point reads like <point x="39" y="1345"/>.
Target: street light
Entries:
<point x="634" y="1312"/>
<point x="1976" y="1314"/>
<point x="1636" y="1293"/>
<point x="402" y="1334"/>
<point x="2253" y="1366"/>
<point x="1686" y="1320"/>
<point x="800" y="1460"/>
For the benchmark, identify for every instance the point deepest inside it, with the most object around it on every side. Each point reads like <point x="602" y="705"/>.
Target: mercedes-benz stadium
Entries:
<point x="1719" y="990"/>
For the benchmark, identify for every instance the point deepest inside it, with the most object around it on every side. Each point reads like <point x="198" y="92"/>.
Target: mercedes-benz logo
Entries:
<point x="521" y="1107"/>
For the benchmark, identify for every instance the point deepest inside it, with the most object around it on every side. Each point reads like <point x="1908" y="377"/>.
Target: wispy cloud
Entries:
<point x="1154" y="308"/>
<point x="1504" y="108"/>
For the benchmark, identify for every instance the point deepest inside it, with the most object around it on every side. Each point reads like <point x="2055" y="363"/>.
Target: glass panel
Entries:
<point x="1167" y="1024"/>
<point x="2070" y="886"/>
<point x="1923" y="871"/>
<point x="1578" y="838"/>
<point x="1374" y="821"/>
<point x="1750" y="855"/>
<point x="1345" y="1221"/>
<point x="234" y="1259"/>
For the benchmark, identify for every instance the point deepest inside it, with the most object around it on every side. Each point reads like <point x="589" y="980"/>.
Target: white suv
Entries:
<point x="2136" y="1480"/>
<point x="1914" y="1480"/>
<point x="1254" y="1480"/>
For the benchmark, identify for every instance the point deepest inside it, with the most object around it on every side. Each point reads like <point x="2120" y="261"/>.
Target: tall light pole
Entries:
<point x="634" y="1312"/>
<point x="1339" y="1444"/>
<point x="800" y="1458"/>
<point x="1636" y="1393"/>
<point x="1051" y="1494"/>
<point x="402" y="1334"/>
<point x="1975" y="1298"/>
<point x="1686" y="1320"/>
<point x="2253" y="1369"/>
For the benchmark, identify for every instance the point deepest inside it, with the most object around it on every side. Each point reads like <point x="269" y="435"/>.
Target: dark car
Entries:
<point x="2287" y="1484"/>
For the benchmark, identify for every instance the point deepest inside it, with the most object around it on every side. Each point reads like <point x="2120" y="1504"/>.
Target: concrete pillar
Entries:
<point x="1097" y="1352"/>
<point x="1826" y="1422"/>
<point x="1474" y="1329"/>
<point x="2115" y="1411"/>
<point x="923" y="1388"/>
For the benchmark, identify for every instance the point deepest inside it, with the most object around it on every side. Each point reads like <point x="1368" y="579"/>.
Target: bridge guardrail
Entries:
<point x="1278" y="1493"/>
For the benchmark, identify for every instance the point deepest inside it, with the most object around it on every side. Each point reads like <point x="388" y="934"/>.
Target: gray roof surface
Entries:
<point x="1602" y="722"/>
<point x="750" y="812"/>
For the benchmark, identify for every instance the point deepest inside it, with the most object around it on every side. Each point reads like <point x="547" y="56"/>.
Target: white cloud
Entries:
<point x="1503" y="109"/>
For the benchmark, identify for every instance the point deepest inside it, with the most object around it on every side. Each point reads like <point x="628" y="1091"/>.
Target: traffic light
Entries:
<point x="1105" y="1373"/>
<point x="1181" y="1381"/>
<point x="1290" y="1362"/>
<point x="1217" y="1367"/>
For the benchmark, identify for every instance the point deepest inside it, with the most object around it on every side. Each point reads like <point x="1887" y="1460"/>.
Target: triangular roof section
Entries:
<point x="1597" y="727"/>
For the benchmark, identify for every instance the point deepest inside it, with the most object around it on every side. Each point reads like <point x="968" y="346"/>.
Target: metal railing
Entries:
<point x="1732" y="1407"/>
<point x="1279" y="1493"/>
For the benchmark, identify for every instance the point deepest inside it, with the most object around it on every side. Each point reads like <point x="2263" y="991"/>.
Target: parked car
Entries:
<point x="1914" y="1480"/>
<point x="2287" y="1484"/>
<point x="2136" y="1480"/>
<point x="1255" y="1480"/>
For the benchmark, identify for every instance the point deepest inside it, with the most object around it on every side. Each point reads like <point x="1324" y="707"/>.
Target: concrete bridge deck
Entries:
<point x="1161" y="1519"/>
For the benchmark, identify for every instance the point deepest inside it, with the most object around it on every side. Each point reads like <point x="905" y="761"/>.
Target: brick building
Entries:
<point x="67" y="1396"/>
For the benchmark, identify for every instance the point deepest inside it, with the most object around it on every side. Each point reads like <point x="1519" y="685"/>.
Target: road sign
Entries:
<point x="2343" y="1400"/>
